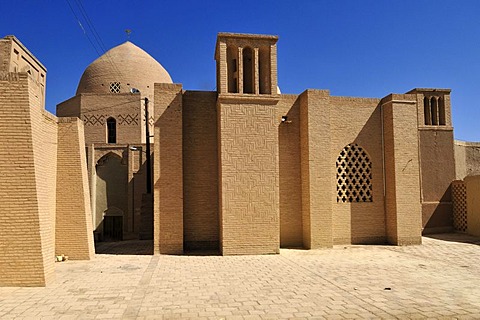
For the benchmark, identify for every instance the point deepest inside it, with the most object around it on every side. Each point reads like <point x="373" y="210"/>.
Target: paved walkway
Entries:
<point x="439" y="280"/>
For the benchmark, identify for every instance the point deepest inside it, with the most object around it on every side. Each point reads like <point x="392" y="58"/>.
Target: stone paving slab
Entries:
<point x="437" y="280"/>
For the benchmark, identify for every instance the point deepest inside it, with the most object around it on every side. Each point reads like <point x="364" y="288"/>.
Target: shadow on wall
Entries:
<point x="201" y="226"/>
<point x="290" y="183"/>
<point x="111" y="197"/>
<point x="168" y="178"/>
<point x="438" y="216"/>
<point x="367" y="210"/>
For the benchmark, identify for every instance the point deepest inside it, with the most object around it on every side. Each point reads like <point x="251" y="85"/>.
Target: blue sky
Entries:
<point x="353" y="48"/>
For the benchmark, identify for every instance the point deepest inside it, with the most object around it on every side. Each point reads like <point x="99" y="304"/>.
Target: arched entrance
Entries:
<point x="111" y="197"/>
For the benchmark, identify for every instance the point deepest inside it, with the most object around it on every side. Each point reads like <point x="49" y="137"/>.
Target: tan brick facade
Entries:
<point x="304" y="180"/>
<point x="200" y="170"/>
<point x="168" y="170"/>
<point x="27" y="186"/>
<point x="242" y="170"/>
<point x="402" y="181"/>
<point x="35" y="193"/>
<point x="248" y="142"/>
<point x="73" y="232"/>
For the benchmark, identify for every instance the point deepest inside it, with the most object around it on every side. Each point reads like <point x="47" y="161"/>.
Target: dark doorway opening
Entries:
<point x="113" y="228"/>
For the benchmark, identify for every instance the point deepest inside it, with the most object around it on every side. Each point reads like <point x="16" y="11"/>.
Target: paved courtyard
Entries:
<point x="439" y="280"/>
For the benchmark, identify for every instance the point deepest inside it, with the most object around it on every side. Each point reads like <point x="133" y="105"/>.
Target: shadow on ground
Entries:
<point x="455" y="237"/>
<point x="202" y="252"/>
<point x="127" y="247"/>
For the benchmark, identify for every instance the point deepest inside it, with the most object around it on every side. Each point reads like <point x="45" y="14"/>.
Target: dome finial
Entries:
<point x="128" y="32"/>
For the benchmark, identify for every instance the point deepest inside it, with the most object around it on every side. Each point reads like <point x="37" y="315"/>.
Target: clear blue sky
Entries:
<point x="353" y="48"/>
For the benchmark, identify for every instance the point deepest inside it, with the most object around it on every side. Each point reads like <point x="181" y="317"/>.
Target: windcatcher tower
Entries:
<point x="247" y="143"/>
<point x="437" y="160"/>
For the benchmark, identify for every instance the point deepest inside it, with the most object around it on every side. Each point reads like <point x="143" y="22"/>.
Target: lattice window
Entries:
<point x="459" y="201"/>
<point x="354" y="175"/>
<point x="115" y="87"/>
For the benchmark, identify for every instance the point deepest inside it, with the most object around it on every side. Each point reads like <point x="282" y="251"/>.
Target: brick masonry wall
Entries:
<point x="70" y="107"/>
<point x="467" y="159"/>
<point x="472" y="185"/>
<point x="358" y="120"/>
<point x="316" y="169"/>
<point x="437" y="173"/>
<point x="200" y="170"/>
<point x="94" y="109"/>
<point x="44" y="133"/>
<point x="5" y="54"/>
<point x="305" y="170"/>
<point x="437" y="164"/>
<point x="74" y="234"/>
<point x="168" y="170"/>
<point x="27" y="185"/>
<point x="248" y="149"/>
<point x="290" y="184"/>
<point x="390" y="178"/>
<point x="402" y="177"/>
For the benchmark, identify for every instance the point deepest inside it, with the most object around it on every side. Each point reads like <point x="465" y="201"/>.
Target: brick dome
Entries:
<point x="122" y="68"/>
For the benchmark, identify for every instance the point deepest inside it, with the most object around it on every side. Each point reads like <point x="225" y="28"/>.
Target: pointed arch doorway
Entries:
<point x="111" y="197"/>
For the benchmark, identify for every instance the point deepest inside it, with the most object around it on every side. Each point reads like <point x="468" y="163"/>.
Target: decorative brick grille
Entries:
<point x="127" y="119"/>
<point x="99" y="119"/>
<point x="459" y="199"/>
<point x="94" y="119"/>
<point x="354" y="175"/>
<point x="115" y="87"/>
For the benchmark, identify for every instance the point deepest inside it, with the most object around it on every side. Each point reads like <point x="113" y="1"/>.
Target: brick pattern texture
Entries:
<point x="403" y="207"/>
<point x="248" y="143"/>
<point x="27" y="184"/>
<point x="290" y="180"/>
<point x="358" y="121"/>
<point x="73" y="232"/>
<point x="317" y="169"/>
<point x="200" y="170"/>
<point x="168" y="170"/>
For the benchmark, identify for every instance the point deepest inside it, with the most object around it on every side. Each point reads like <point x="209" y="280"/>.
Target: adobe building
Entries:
<point x="44" y="195"/>
<point x="242" y="170"/>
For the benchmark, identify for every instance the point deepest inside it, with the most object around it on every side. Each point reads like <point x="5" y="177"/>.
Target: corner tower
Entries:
<point x="247" y="125"/>
<point x="437" y="160"/>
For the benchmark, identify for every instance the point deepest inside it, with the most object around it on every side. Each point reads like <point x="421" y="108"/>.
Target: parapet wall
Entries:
<point x="467" y="159"/>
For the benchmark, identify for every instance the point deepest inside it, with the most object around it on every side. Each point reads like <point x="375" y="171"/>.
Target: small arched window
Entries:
<point x="354" y="175"/>
<point x="111" y="130"/>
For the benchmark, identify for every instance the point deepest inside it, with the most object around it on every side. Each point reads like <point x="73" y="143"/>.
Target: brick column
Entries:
<point x="402" y="173"/>
<point x="240" y="70"/>
<point x="317" y="169"/>
<point x="248" y="176"/>
<point x="168" y="170"/>
<point x="256" y="73"/>
<point x="73" y="228"/>
<point x="222" y="81"/>
<point x="273" y="69"/>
